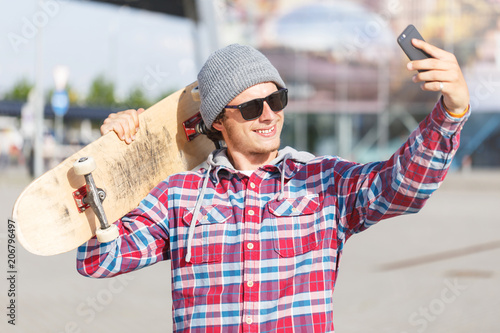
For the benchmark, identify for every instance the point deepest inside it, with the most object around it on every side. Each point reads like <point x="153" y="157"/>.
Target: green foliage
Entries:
<point x="19" y="91"/>
<point x="101" y="93"/>
<point x="136" y="99"/>
<point x="165" y="94"/>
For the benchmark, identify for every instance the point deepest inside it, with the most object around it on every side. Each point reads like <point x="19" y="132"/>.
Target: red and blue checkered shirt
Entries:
<point x="266" y="247"/>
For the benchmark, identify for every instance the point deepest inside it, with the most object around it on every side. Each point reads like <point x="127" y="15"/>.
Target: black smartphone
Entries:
<point x="404" y="40"/>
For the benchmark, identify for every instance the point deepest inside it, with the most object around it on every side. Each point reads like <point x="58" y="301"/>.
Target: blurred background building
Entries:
<point x="351" y="94"/>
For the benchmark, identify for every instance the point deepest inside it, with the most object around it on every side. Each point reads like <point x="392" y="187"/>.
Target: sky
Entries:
<point x="130" y="47"/>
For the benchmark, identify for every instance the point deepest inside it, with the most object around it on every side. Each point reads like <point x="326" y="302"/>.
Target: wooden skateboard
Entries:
<point x="69" y="204"/>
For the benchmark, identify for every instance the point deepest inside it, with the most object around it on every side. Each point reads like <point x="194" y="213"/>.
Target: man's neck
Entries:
<point x="252" y="161"/>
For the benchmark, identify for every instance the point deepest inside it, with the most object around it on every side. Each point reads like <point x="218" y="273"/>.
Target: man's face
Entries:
<point x="252" y="137"/>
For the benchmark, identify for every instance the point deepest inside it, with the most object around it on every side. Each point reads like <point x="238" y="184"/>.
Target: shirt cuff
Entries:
<point x="444" y="123"/>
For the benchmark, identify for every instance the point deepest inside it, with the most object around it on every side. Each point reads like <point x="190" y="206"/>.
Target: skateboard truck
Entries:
<point x="90" y="196"/>
<point x="194" y="126"/>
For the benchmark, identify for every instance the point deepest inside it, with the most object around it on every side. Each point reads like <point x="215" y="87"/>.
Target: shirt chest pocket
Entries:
<point x="208" y="240"/>
<point x="297" y="225"/>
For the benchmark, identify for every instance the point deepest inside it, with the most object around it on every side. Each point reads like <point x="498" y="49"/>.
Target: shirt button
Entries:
<point x="252" y="185"/>
<point x="250" y="284"/>
<point x="249" y="320"/>
<point x="250" y="246"/>
<point x="251" y="212"/>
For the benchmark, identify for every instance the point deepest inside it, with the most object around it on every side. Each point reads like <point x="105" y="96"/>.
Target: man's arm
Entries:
<point x="403" y="183"/>
<point x="143" y="241"/>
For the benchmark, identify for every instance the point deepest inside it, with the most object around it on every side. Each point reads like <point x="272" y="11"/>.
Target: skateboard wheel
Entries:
<point x="84" y="166"/>
<point x="108" y="234"/>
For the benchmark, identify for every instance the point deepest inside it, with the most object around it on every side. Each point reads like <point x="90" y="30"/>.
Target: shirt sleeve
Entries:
<point x="402" y="184"/>
<point x="143" y="240"/>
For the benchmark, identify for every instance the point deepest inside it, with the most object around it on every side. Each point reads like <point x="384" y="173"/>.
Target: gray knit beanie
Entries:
<point x="228" y="72"/>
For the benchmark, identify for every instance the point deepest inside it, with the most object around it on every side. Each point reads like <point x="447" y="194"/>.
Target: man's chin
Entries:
<point x="267" y="149"/>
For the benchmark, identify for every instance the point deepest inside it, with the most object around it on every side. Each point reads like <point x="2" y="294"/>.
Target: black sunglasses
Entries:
<point x="253" y="109"/>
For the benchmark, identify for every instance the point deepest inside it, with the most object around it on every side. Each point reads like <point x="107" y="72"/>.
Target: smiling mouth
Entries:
<point x="266" y="131"/>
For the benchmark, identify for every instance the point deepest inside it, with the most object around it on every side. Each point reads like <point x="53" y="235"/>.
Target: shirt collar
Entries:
<point x="219" y="162"/>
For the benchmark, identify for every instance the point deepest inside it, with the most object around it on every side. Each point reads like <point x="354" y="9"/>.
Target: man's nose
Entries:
<point x="267" y="113"/>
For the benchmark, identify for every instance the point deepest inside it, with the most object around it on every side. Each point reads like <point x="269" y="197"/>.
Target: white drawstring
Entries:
<point x="200" y="199"/>
<point x="282" y="192"/>
<point x="195" y="215"/>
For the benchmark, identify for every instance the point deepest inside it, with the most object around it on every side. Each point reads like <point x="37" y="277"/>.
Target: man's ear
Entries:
<point x="217" y="125"/>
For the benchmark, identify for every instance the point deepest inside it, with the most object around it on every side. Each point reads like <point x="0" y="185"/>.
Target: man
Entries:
<point x="256" y="235"/>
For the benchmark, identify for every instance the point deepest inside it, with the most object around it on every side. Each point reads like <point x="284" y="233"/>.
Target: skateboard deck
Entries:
<point x="50" y="219"/>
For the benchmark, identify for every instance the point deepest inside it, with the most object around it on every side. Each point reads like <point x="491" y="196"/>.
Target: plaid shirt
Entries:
<point x="266" y="247"/>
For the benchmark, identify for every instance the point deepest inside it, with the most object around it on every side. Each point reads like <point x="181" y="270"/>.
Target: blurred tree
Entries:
<point x="165" y="94"/>
<point x="74" y="97"/>
<point x="136" y="99"/>
<point x="19" y="91"/>
<point x="101" y="93"/>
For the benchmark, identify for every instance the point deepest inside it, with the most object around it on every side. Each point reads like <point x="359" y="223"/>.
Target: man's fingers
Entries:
<point x="113" y="126"/>
<point x="430" y="49"/>
<point x="131" y="123"/>
<point x="440" y="59"/>
<point x="432" y="64"/>
<point x="109" y="124"/>
<point x="134" y="119"/>
<point x="124" y="124"/>
<point x="434" y="86"/>
<point x="105" y="129"/>
<point x="441" y="73"/>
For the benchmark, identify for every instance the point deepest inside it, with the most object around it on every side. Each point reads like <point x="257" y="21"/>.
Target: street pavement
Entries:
<point x="435" y="271"/>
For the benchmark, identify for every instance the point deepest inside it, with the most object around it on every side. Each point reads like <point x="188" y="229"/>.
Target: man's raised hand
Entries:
<point x="441" y="73"/>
